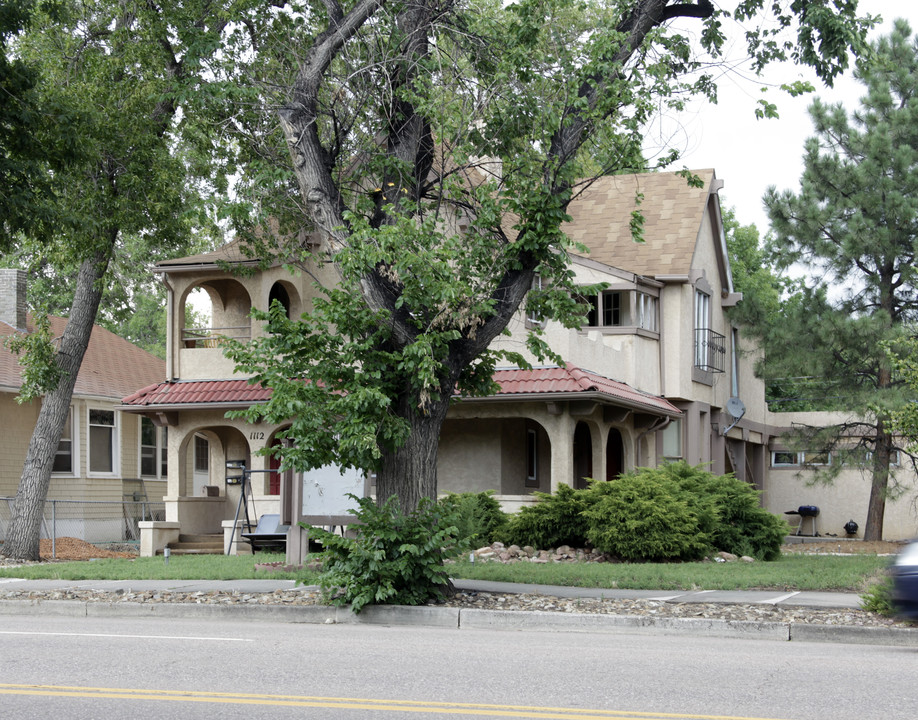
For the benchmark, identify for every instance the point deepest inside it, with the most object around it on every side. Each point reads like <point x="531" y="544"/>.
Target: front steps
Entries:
<point x="203" y="545"/>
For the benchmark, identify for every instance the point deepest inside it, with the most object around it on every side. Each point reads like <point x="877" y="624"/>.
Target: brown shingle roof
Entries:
<point x="672" y="212"/>
<point x="230" y="253"/>
<point x="538" y="381"/>
<point x="112" y="367"/>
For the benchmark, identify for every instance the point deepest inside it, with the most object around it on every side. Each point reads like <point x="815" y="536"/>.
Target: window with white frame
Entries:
<point x="152" y="450"/>
<point x="702" y="326"/>
<point x="646" y="312"/>
<point x="64" y="456"/>
<point x="103" y="437"/>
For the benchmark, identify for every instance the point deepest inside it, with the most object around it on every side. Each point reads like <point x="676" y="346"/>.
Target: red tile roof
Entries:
<point x="538" y="381"/>
<point x="198" y="392"/>
<point x="112" y="367"/>
<point x="571" y="379"/>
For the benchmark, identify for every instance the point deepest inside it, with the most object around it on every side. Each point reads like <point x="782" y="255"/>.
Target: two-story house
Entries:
<point x="656" y="372"/>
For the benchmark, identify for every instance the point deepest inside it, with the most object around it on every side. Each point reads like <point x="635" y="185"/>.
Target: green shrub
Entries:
<point x="478" y="516"/>
<point x="742" y="526"/>
<point x="877" y="598"/>
<point x="393" y="558"/>
<point x="647" y="516"/>
<point x="554" y="520"/>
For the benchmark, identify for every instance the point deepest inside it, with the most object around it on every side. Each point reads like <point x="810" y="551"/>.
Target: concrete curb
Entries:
<point x="472" y="619"/>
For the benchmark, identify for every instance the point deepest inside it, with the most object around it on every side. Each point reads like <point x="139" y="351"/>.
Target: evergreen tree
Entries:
<point x="854" y="225"/>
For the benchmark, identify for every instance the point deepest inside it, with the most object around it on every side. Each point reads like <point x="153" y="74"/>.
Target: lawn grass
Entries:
<point x="848" y="573"/>
<point x="179" y="567"/>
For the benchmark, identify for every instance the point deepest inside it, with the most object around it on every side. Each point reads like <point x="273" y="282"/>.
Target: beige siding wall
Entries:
<point x="16" y="424"/>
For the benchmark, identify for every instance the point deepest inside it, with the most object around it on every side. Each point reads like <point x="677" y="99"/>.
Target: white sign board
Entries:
<point x="325" y="491"/>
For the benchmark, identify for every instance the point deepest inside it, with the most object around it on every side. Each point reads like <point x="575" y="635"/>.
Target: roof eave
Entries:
<point x="581" y="395"/>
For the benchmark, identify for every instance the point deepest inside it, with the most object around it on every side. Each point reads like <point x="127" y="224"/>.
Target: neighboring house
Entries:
<point x="656" y="372"/>
<point x="103" y="454"/>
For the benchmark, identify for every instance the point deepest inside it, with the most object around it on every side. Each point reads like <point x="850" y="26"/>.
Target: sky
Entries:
<point x="748" y="154"/>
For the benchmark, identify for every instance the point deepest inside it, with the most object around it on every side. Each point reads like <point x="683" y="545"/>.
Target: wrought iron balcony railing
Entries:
<point x="710" y="351"/>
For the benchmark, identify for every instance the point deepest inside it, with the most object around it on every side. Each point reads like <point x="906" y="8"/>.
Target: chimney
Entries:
<point x="13" y="297"/>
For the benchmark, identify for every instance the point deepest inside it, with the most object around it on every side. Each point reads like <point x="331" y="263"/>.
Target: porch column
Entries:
<point x="561" y="435"/>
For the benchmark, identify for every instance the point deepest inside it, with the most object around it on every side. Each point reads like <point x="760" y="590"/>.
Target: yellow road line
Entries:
<point x="416" y="706"/>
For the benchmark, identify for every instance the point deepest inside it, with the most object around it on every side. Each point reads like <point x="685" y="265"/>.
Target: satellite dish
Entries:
<point x="736" y="408"/>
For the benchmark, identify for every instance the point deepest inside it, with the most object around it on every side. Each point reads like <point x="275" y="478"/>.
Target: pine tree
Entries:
<point x="854" y="226"/>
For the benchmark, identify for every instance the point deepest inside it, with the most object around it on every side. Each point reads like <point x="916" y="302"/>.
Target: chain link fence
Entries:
<point x="97" y="522"/>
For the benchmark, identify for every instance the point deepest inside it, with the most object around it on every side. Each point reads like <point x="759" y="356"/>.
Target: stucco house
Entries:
<point x="104" y="454"/>
<point x="656" y="372"/>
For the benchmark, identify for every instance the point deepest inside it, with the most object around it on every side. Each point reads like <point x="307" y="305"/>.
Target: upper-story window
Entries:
<point x="622" y="308"/>
<point x="103" y="438"/>
<point x="532" y="317"/>
<point x="710" y="348"/>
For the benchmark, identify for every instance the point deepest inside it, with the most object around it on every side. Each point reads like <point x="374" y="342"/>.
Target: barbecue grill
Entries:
<point x="806" y="511"/>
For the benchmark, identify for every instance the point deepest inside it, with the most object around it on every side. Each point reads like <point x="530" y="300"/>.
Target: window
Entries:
<point x="646" y="312"/>
<point x="63" y="458"/>
<point x="622" y="308"/>
<point x="606" y="310"/>
<point x="783" y="458"/>
<point x="817" y="458"/>
<point x="672" y="440"/>
<point x="153" y="452"/>
<point x="710" y="346"/>
<point x="102" y="437"/>
<point x="201" y="454"/>
<point x="532" y="458"/>
<point x="702" y="325"/>
<point x="534" y="318"/>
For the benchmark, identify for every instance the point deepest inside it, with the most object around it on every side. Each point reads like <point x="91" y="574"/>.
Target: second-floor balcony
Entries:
<point x="214" y="337"/>
<point x="710" y="350"/>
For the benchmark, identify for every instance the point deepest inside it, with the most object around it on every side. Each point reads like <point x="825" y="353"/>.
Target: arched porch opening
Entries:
<point x="615" y="454"/>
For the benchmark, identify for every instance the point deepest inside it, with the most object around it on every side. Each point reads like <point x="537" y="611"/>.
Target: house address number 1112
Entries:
<point x="257" y="435"/>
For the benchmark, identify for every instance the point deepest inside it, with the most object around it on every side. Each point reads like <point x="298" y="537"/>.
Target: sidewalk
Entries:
<point x="454" y="617"/>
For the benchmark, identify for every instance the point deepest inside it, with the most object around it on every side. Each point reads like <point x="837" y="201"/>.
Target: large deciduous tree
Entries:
<point x="854" y="224"/>
<point x="435" y="147"/>
<point x="122" y="69"/>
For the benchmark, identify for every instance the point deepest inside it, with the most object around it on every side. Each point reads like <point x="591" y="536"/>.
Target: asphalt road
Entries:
<point x="180" y="668"/>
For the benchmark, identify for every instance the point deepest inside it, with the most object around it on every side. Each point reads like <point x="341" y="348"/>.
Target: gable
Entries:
<point x="673" y="218"/>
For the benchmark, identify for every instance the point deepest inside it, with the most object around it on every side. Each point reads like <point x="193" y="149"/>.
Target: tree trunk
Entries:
<point x="28" y="508"/>
<point x="879" y="485"/>
<point x="410" y="471"/>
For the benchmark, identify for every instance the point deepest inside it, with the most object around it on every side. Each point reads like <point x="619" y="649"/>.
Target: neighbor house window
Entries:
<point x="783" y="458"/>
<point x="152" y="450"/>
<point x="702" y="325"/>
<point x="102" y="438"/>
<point x="63" y="458"/>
